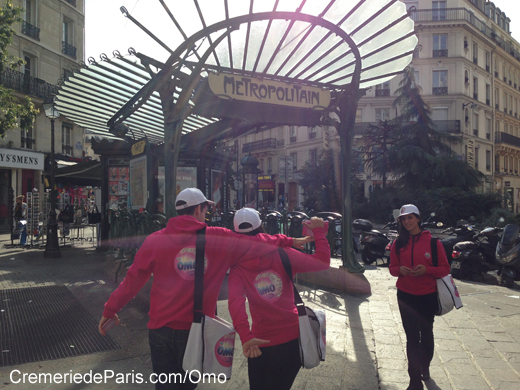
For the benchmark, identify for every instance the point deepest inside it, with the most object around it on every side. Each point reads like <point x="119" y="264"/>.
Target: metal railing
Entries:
<point x="67" y="149"/>
<point x="269" y="143"/>
<point x="27" y="143"/>
<point x="71" y="2"/>
<point x="68" y="49"/>
<point x="444" y="126"/>
<point x="382" y="92"/>
<point x="440" y="53"/>
<point x="440" y="90"/>
<point x="505" y="138"/>
<point x="453" y="14"/>
<point x="26" y="84"/>
<point x="30" y="30"/>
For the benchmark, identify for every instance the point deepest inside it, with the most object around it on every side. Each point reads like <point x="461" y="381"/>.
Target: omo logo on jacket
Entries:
<point x="185" y="263"/>
<point x="269" y="285"/>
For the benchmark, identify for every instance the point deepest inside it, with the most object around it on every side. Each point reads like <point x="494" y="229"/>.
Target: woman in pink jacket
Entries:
<point x="271" y="344"/>
<point x="411" y="262"/>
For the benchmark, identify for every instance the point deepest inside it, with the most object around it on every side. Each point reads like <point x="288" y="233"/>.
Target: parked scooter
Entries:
<point x="477" y="256"/>
<point x="463" y="232"/>
<point x="372" y="242"/>
<point x="508" y="256"/>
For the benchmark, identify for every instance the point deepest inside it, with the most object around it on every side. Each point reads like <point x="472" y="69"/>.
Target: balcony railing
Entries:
<point x="488" y="102"/>
<point x="444" y="126"/>
<point x="292" y="139"/>
<point x="269" y="143"/>
<point x="382" y="92"/>
<point x="505" y="138"/>
<point x="475" y="96"/>
<point x="454" y="14"/>
<point x="68" y="49"/>
<point x="312" y="135"/>
<point x="440" y="90"/>
<point x="26" y="84"/>
<point x="475" y="61"/>
<point x="71" y="2"/>
<point x="440" y="53"/>
<point x="30" y="30"/>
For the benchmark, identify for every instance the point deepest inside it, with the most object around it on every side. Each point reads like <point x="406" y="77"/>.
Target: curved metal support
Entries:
<point x="173" y="130"/>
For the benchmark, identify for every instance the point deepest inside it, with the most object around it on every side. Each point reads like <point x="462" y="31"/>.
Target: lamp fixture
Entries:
<point x="473" y="105"/>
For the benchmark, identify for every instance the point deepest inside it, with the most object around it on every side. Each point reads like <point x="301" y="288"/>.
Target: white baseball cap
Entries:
<point x="408" y="209"/>
<point x="246" y="215"/>
<point x="192" y="197"/>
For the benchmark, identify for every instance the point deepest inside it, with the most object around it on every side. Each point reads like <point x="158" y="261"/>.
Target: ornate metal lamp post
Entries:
<point x="52" y="247"/>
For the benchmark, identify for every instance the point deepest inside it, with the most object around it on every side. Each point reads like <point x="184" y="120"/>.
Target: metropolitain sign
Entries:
<point x="268" y="91"/>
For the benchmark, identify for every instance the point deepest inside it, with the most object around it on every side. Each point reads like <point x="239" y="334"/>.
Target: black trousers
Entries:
<point x="276" y="368"/>
<point x="417" y="314"/>
<point x="167" y="348"/>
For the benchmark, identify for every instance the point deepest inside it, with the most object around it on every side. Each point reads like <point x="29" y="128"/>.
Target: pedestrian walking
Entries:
<point x="271" y="344"/>
<point x="20" y="218"/>
<point x="411" y="263"/>
<point x="169" y="255"/>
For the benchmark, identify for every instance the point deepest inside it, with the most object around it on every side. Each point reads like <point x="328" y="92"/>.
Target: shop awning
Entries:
<point x="88" y="173"/>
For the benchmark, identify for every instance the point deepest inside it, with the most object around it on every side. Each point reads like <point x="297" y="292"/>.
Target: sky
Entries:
<point x="107" y="29"/>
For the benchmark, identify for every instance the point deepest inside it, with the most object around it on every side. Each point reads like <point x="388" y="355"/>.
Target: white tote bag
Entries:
<point x="210" y="347"/>
<point x="447" y="295"/>
<point x="312" y="337"/>
<point x="312" y="325"/>
<point x="211" y="341"/>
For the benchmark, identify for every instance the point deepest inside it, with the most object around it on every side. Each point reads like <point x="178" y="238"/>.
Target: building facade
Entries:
<point x="50" y="39"/>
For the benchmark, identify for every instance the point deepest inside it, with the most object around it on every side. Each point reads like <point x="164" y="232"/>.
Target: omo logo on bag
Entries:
<point x="269" y="285"/>
<point x="454" y="287"/>
<point x="185" y="263"/>
<point x="224" y="350"/>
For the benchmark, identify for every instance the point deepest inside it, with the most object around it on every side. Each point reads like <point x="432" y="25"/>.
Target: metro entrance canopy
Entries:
<point x="329" y="49"/>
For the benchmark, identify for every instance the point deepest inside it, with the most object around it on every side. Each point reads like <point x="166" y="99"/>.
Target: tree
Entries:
<point x="320" y="187"/>
<point x="422" y="158"/>
<point x="378" y="139"/>
<point x="320" y="183"/>
<point x="14" y="111"/>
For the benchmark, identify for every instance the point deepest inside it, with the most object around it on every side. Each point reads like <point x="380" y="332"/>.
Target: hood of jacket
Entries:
<point x="181" y="229"/>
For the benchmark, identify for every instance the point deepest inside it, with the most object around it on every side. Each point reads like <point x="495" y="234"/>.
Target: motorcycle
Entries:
<point x="478" y="256"/>
<point x="372" y="242"/>
<point x="508" y="256"/>
<point x="463" y="232"/>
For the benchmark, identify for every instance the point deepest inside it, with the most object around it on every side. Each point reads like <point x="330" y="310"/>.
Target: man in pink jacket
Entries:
<point x="271" y="344"/>
<point x="169" y="255"/>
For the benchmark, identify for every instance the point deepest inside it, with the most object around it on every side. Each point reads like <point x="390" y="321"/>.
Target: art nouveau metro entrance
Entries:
<point x="242" y="67"/>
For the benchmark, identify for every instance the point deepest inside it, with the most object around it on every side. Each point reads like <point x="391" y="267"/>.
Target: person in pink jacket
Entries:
<point x="169" y="255"/>
<point x="411" y="263"/>
<point x="271" y="344"/>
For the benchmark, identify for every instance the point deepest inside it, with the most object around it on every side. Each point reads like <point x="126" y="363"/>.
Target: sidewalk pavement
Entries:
<point x="476" y="347"/>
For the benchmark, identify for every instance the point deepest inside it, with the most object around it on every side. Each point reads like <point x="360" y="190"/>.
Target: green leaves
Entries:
<point x="13" y="111"/>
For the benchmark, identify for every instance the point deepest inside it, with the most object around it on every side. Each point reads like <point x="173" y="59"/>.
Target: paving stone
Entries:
<point x="468" y="382"/>
<point x="506" y="347"/>
<point x="491" y="363"/>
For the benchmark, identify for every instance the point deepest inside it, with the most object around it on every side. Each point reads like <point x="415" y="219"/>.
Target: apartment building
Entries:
<point x="51" y="41"/>
<point x="468" y="66"/>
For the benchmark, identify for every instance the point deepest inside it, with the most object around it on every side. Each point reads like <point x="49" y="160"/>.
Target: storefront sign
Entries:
<point x="268" y="91"/>
<point x="10" y="158"/>
<point x="138" y="148"/>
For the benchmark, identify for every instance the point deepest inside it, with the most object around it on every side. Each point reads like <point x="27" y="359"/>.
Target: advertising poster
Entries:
<point x="138" y="180"/>
<point x="186" y="178"/>
<point x="216" y="189"/>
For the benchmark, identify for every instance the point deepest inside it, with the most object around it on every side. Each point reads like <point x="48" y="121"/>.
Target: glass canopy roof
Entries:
<point x="301" y="41"/>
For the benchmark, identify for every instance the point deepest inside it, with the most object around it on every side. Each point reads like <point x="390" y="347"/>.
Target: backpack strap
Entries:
<point x="435" y="259"/>
<point x="287" y="266"/>
<point x="200" y="247"/>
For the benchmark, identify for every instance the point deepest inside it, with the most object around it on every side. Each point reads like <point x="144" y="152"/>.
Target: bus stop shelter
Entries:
<point x="232" y="62"/>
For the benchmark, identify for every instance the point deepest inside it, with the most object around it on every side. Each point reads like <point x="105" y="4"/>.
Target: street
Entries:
<point x="476" y="347"/>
